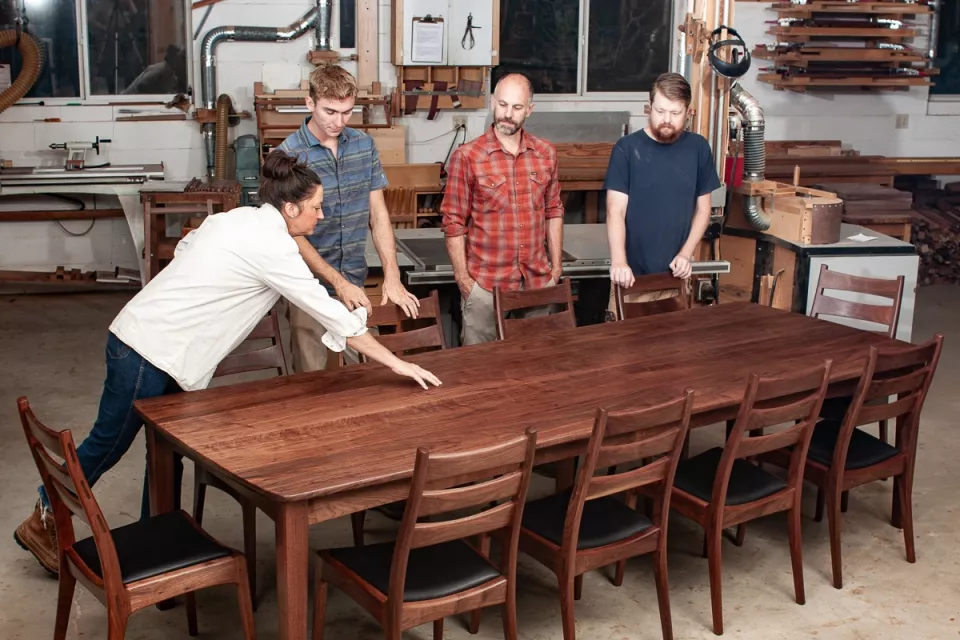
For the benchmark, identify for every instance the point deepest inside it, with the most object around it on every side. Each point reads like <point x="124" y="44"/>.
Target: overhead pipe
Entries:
<point x="32" y="54"/>
<point x="754" y="153"/>
<point x="208" y="63"/>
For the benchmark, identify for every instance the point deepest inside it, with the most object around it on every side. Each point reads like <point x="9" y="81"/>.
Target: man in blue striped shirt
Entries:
<point x="349" y="167"/>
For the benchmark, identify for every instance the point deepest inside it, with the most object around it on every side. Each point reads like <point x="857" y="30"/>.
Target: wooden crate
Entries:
<point x="797" y="214"/>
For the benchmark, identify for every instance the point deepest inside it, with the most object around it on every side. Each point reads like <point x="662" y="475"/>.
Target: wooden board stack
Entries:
<point x="936" y="230"/>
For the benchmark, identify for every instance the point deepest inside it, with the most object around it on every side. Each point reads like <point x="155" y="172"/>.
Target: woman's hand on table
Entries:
<point x="419" y="374"/>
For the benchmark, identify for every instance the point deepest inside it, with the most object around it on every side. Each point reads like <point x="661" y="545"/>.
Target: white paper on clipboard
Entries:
<point x="427" y="42"/>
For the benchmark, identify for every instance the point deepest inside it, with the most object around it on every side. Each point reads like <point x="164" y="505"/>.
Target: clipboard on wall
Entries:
<point x="427" y="40"/>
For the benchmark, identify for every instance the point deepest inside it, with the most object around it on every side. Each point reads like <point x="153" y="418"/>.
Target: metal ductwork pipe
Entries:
<point x="325" y="15"/>
<point x="208" y="63"/>
<point x="754" y="153"/>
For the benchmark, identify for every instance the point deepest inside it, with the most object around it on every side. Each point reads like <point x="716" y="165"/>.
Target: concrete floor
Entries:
<point x="51" y="350"/>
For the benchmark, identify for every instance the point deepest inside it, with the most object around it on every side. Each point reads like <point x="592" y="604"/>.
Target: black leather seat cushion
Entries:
<point x="154" y="546"/>
<point x="605" y="520"/>
<point x="865" y="450"/>
<point x="432" y="572"/>
<point x="748" y="482"/>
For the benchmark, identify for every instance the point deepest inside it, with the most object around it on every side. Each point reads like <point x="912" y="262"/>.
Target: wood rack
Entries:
<point x="814" y="51"/>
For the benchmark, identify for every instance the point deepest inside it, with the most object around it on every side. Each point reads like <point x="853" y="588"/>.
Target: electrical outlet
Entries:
<point x="903" y="121"/>
<point x="459" y="122"/>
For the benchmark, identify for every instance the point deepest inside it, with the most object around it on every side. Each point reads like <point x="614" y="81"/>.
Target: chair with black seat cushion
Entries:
<point x="843" y="457"/>
<point x="721" y="488"/>
<point x="587" y="527"/>
<point x="244" y="359"/>
<point x="133" y="566"/>
<point x="430" y="572"/>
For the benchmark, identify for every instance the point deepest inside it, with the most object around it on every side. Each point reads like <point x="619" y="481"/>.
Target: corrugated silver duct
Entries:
<point x="208" y="62"/>
<point x="754" y="153"/>
<point x="325" y="13"/>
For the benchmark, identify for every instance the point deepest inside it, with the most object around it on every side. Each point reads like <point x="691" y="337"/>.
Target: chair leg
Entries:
<point x="319" y="603"/>
<point x="199" y="496"/>
<point x="510" y="619"/>
<point x="356" y="520"/>
<point x="833" y="519"/>
<point x="438" y="629"/>
<point x="250" y="546"/>
<point x="618" y="576"/>
<point x="796" y="554"/>
<point x="663" y="592"/>
<point x="566" y="607"/>
<point x="245" y="601"/>
<point x="896" y="514"/>
<point x="191" y="599"/>
<point x="716" y="579"/>
<point x="883" y="430"/>
<point x="844" y="501"/>
<point x="741" y="534"/>
<point x="821" y="498"/>
<point x="906" y="512"/>
<point x="64" y="600"/>
<point x="116" y="623"/>
<point x="483" y="546"/>
<point x="578" y="587"/>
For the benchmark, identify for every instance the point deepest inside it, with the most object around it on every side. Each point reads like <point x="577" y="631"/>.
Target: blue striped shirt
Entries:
<point x="341" y="237"/>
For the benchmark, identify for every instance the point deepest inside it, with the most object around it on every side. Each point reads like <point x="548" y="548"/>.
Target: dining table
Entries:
<point x="310" y="447"/>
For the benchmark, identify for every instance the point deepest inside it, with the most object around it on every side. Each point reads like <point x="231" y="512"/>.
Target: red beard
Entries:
<point x="666" y="134"/>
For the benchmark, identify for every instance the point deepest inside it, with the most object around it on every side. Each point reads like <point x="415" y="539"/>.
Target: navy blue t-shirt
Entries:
<point x="663" y="182"/>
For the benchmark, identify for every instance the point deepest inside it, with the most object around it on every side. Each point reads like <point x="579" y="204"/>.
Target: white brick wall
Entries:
<point x="865" y="121"/>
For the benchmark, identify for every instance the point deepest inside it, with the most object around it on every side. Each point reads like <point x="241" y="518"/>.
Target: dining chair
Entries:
<point x="629" y="306"/>
<point x="884" y="317"/>
<point x="722" y="488"/>
<point x="244" y="360"/>
<point x="588" y="527"/>
<point x="430" y="572"/>
<point x="842" y="456"/>
<point x="531" y="311"/>
<point x="133" y="566"/>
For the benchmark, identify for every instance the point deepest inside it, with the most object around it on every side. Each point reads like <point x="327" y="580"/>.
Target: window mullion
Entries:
<point x="83" y="51"/>
<point x="584" y="39"/>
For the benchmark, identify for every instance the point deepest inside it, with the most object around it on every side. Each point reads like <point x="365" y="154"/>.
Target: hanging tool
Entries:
<point x="468" y="33"/>
<point x="77" y="151"/>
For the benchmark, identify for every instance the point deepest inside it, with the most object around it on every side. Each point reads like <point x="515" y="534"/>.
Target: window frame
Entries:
<point x="87" y="99"/>
<point x="584" y="52"/>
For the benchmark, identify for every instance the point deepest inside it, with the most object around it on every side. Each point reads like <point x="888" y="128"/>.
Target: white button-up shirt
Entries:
<point x="224" y="278"/>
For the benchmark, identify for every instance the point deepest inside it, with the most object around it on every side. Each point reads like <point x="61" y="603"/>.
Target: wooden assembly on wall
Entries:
<point x="443" y="50"/>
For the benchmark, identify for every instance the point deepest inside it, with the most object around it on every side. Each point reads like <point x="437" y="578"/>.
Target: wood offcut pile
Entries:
<point x="936" y="228"/>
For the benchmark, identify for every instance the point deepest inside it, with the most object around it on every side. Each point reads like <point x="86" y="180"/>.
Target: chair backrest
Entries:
<point x="646" y="284"/>
<point x="905" y="372"/>
<point x="468" y="480"/>
<point x="506" y="301"/>
<point x="886" y="315"/>
<point x="794" y="400"/>
<point x="70" y="495"/>
<point x="260" y="359"/>
<point x="401" y="342"/>
<point x="653" y="436"/>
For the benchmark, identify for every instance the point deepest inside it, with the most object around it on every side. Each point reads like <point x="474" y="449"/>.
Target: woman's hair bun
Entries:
<point x="279" y="166"/>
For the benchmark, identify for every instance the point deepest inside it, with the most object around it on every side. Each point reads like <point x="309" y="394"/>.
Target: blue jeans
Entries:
<point x="129" y="377"/>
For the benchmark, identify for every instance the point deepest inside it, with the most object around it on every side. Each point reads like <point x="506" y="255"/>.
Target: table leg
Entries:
<point x="292" y="570"/>
<point x="160" y="472"/>
<point x="591" y="207"/>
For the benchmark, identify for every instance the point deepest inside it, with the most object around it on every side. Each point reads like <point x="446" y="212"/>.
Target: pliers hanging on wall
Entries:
<point x="468" y="34"/>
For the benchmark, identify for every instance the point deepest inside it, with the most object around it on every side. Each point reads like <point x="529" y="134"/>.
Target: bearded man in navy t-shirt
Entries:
<point x="658" y="185"/>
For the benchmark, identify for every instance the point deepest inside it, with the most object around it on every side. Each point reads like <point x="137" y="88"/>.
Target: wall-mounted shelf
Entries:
<point x="437" y="88"/>
<point x="843" y="6"/>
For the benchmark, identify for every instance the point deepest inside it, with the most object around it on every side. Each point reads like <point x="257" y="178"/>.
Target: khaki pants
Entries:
<point x="480" y="320"/>
<point x="306" y="347"/>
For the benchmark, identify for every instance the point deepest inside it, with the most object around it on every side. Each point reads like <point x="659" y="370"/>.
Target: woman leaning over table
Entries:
<point x="225" y="276"/>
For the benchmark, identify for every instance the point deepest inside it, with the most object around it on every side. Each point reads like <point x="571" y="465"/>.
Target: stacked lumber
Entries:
<point x="936" y="229"/>
<point x="869" y="204"/>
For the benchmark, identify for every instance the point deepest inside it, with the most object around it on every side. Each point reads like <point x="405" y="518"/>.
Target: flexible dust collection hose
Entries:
<point x="224" y="106"/>
<point x="32" y="54"/>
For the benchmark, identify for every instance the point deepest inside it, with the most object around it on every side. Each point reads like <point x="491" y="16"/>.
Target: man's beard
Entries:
<point x="666" y="134"/>
<point x="508" y="127"/>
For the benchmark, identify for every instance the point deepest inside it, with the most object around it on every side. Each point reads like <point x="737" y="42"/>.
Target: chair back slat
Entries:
<point x="888" y="386"/>
<point x="500" y="474"/>
<point x="443" y="501"/>
<point x="422" y="338"/>
<point x="261" y="359"/>
<point x="653" y="472"/>
<point x="885" y="315"/>
<point x="646" y="284"/>
<point x="416" y="339"/>
<point x="774" y="415"/>
<point x="756" y="445"/>
<point x="392" y="314"/>
<point x="887" y="411"/>
<point x="649" y="446"/>
<point x="505" y="302"/>
<point x="430" y="533"/>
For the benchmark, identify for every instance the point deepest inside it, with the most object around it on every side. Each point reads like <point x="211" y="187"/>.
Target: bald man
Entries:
<point x="502" y="215"/>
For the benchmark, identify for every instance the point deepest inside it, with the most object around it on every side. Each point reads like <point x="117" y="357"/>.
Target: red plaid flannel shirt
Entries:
<point x="501" y="203"/>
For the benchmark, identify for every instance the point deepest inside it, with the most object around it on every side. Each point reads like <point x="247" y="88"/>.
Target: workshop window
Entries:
<point x="948" y="49"/>
<point x="586" y="46"/>
<point x="129" y="47"/>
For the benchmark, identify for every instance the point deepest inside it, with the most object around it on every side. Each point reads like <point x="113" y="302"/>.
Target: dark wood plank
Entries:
<point x="323" y="433"/>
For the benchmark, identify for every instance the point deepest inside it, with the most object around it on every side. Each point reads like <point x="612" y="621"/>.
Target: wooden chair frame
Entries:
<point x="654" y="435"/>
<point x="649" y="284"/>
<point x="767" y="402"/>
<point x="412" y="339"/>
<point x="505" y="302"/>
<point x="70" y="495"/>
<point x="443" y="483"/>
